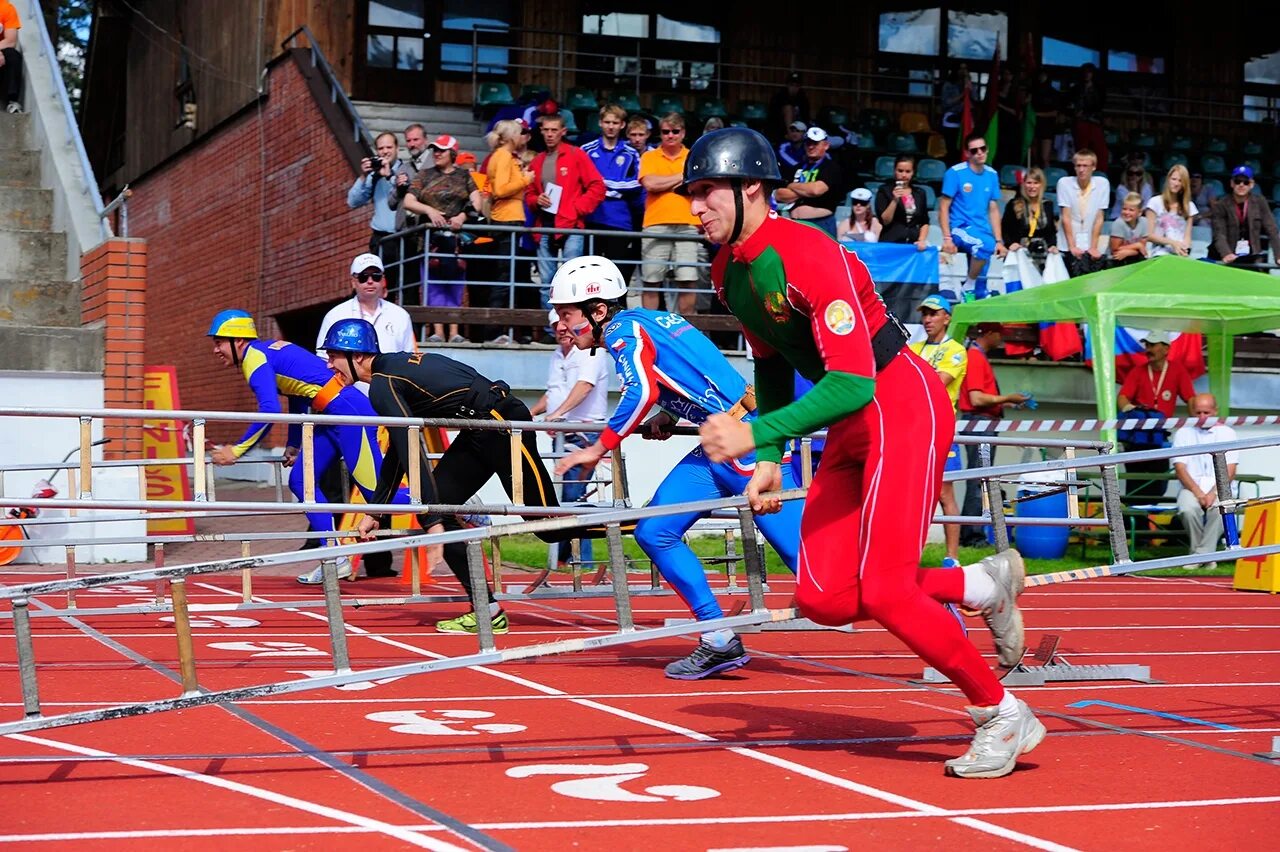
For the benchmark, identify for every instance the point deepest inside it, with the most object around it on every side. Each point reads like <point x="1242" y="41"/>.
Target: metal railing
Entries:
<point x="23" y="596"/>
<point x="89" y="184"/>
<point x="359" y="133"/>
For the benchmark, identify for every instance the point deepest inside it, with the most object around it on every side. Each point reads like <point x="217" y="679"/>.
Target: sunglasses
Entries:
<point x="977" y="149"/>
<point x="363" y="277"/>
<point x="1240" y="181"/>
<point x="1134" y="173"/>
<point x="668" y="131"/>
<point x="861" y="203"/>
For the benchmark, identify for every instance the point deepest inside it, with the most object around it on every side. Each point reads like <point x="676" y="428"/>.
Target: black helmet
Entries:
<point x="734" y="152"/>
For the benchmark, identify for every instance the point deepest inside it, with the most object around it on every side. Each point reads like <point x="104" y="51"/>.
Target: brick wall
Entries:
<point x="254" y="217"/>
<point x="114" y="293"/>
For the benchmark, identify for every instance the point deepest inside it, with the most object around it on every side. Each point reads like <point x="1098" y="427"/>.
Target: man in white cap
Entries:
<point x="395" y="329"/>
<point x="791" y="149"/>
<point x="817" y="188"/>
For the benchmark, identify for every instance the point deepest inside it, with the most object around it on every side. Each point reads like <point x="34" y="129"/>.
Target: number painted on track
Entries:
<point x="605" y="780"/>
<point x="350" y="687"/>
<point x="217" y="621"/>
<point x="270" y="649"/>
<point x="441" y="723"/>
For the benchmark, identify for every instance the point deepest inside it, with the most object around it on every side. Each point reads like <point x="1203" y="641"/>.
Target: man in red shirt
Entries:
<point x="1155" y="388"/>
<point x="566" y="188"/>
<point x="980" y="399"/>
<point x="808" y="305"/>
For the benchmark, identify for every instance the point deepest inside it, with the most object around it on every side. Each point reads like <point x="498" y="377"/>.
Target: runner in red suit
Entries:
<point x="808" y="304"/>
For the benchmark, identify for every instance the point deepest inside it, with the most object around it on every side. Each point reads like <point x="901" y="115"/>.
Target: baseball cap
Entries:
<point x="366" y="261"/>
<point x="816" y="134"/>
<point x="980" y="328"/>
<point x="798" y="125"/>
<point x="936" y="303"/>
<point x="860" y="194"/>
<point x="466" y="158"/>
<point x="1242" y="171"/>
<point x="1156" y="337"/>
<point x="553" y="316"/>
<point x="444" y="142"/>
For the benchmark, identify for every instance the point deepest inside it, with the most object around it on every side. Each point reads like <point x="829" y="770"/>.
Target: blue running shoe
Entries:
<point x="948" y="562"/>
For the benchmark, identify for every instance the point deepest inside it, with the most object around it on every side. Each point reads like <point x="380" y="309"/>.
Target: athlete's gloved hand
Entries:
<point x="724" y="438"/>
<point x="658" y="427"/>
<point x="767" y="478"/>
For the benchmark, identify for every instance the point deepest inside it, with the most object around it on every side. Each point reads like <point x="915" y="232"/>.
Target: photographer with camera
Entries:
<point x="902" y="207"/>
<point x="374" y="185"/>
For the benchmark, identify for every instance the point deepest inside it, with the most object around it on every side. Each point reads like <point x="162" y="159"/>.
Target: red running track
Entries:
<point x="821" y="743"/>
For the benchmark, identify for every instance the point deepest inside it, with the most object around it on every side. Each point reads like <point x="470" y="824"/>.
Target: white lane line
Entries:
<point x="407" y="835"/>
<point x="63" y="837"/>
<point x="778" y="762"/>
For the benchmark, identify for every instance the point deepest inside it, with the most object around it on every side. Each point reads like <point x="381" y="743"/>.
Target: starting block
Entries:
<point x="1051" y="668"/>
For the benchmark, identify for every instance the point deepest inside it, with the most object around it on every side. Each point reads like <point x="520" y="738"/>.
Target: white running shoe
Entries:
<point x="998" y="742"/>
<point x="315" y="577"/>
<point x="1003" y="617"/>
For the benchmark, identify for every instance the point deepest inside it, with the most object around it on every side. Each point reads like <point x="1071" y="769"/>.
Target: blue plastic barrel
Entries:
<point x="1042" y="542"/>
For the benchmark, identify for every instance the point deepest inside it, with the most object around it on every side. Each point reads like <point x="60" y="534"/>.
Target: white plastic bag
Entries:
<point x="1055" y="269"/>
<point x="1028" y="274"/>
<point x="1012" y="280"/>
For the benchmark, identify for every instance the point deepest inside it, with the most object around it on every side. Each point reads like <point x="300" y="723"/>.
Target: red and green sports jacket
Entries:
<point x="807" y="303"/>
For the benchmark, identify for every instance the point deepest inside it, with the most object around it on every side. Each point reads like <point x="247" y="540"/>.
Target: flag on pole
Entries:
<point x="992" y="105"/>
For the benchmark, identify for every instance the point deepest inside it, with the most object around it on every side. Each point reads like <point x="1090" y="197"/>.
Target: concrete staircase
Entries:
<point x="456" y="121"/>
<point x="39" y="296"/>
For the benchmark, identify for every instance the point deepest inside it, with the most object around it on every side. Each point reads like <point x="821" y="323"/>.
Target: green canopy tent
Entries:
<point x="1167" y="292"/>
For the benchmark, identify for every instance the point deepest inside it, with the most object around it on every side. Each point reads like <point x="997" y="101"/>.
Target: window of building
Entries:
<point x="1119" y="60"/>
<point x="400" y="14"/>
<point x="916" y="31"/>
<point x="1261" y="108"/>
<point x="1263" y="69"/>
<point x="975" y="35"/>
<point x="489" y="23"/>
<point x="673" y="30"/>
<point x="1063" y="53"/>
<point x="616" y="24"/>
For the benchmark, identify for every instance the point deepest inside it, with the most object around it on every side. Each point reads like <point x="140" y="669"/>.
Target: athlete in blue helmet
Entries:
<point x="664" y="361"/>
<point x="275" y="368"/>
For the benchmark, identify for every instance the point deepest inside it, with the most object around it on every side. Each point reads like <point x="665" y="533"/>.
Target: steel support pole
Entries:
<point x="26" y="658"/>
<point x="333" y="612"/>
<point x="480" y="596"/>
<point x="618" y="573"/>
<point x="751" y="558"/>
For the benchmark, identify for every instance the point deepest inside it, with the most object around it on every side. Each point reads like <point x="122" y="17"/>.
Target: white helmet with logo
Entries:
<point x="584" y="279"/>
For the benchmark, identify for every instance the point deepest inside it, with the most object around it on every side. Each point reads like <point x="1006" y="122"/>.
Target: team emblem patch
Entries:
<point x="777" y="307"/>
<point x="1166" y="395"/>
<point x="618" y="345"/>
<point x="968" y="187"/>
<point x="839" y="317"/>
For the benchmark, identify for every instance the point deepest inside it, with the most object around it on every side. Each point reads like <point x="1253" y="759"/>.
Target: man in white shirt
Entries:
<point x="395" y="334"/>
<point x="577" y="390"/>
<point x="1199" y="486"/>
<point x="1082" y="201"/>
<point x="395" y="329"/>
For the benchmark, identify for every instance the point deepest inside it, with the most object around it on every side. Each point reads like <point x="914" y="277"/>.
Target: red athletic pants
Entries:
<point x="866" y="519"/>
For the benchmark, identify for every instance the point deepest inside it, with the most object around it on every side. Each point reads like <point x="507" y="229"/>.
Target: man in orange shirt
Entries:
<point x="667" y="214"/>
<point x="10" y="58"/>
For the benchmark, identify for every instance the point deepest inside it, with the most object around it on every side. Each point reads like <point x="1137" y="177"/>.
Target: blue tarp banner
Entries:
<point x="904" y="277"/>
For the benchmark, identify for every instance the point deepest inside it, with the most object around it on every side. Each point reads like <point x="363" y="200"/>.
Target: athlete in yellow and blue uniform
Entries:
<point x="278" y="368"/>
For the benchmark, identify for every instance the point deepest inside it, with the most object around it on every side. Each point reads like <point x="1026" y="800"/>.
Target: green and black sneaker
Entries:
<point x="467" y="624"/>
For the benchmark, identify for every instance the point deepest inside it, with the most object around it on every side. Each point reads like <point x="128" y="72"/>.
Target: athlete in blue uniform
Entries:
<point x="275" y="368"/>
<point x="664" y="361"/>
<point x="970" y="216"/>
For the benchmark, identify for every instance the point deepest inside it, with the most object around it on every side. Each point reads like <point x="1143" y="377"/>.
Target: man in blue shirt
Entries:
<point x="970" y="217"/>
<point x="664" y="361"/>
<point x="623" y="205"/>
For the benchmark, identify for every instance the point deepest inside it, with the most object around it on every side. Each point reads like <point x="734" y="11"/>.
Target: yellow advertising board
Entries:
<point x="163" y="439"/>
<point x="1261" y="527"/>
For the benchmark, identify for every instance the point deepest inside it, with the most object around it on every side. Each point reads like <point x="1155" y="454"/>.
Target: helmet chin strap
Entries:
<point x="351" y="364"/>
<point x="736" y="183"/>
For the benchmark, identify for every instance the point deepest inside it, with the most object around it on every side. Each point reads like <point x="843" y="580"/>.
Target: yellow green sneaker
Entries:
<point x="467" y="624"/>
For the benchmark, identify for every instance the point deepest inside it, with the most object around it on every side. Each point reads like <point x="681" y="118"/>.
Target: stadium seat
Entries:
<point x="494" y="95"/>
<point x="665" y="104"/>
<point x="1180" y="143"/>
<point x="1275" y="193"/>
<point x="570" y="123"/>
<point x="1212" y="165"/>
<point x="753" y="111"/>
<point x="1009" y="174"/>
<point x="930" y="170"/>
<point x="867" y="142"/>
<point x="1251" y="149"/>
<point x="1176" y="158"/>
<point x="1052" y="175"/>
<point x="1143" y="141"/>
<point x="884" y="168"/>
<point x="1111" y="137"/>
<point x="873" y="186"/>
<point x="1216" y="185"/>
<point x="626" y="100"/>
<point x="930" y="197"/>
<point x="579" y="98"/>
<point x="936" y="146"/>
<point x="530" y="91"/>
<point x="902" y="143"/>
<point x="1253" y="163"/>
<point x="875" y="120"/>
<point x="829" y="117"/>
<point x="711" y="108"/>
<point x="1215" y="146"/>
<point x="914" y="122"/>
